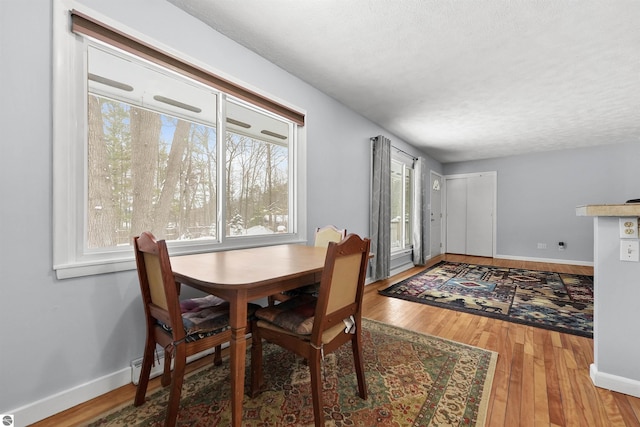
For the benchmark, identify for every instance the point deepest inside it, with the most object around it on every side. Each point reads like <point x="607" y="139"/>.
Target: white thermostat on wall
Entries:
<point x="628" y="228"/>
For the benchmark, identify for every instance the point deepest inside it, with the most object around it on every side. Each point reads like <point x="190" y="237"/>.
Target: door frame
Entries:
<point x="440" y="238"/>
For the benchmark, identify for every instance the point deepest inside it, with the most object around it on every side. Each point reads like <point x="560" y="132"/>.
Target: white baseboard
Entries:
<point x="66" y="399"/>
<point x="401" y="268"/>
<point x="614" y="382"/>
<point x="44" y="408"/>
<point x="547" y="260"/>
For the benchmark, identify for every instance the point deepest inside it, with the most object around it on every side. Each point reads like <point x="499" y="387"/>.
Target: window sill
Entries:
<point x="401" y="253"/>
<point x="125" y="263"/>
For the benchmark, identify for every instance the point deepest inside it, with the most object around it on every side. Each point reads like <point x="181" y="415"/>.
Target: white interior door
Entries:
<point x="456" y="195"/>
<point x="435" y="214"/>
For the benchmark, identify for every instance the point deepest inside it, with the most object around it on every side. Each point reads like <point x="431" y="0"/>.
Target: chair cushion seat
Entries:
<point x="197" y="304"/>
<point x="206" y="316"/>
<point x="312" y="290"/>
<point x="294" y="315"/>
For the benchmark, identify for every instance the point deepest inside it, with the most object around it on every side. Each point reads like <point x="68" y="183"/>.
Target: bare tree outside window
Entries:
<point x="257" y="181"/>
<point x="148" y="171"/>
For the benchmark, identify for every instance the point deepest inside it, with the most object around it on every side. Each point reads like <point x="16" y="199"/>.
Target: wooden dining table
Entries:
<point x="243" y="275"/>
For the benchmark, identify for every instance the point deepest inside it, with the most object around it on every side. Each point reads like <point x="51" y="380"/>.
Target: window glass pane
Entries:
<point x="401" y="205"/>
<point x="257" y="172"/>
<point x="151" y="154"/>
<point x="397" y="207"/>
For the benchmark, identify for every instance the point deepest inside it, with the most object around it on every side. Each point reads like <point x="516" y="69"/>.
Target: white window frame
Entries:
<point x="407" y="163"/>
<point x="69" y="161"/>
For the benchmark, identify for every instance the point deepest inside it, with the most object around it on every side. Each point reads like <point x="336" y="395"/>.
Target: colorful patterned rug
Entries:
<point x="556" y="301"/>
<point x="413" y="380"/>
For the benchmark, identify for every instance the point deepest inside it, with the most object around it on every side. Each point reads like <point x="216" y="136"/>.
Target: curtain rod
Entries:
<point x="373" y="138"/>
<point x="404" y="152"/>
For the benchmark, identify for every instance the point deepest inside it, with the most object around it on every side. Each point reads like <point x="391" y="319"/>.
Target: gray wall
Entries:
<point x="57" y="335"/>
<point x="538" y="194"/>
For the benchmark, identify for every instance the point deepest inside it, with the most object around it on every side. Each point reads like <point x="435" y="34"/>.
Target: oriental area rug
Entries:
<point x="555" y="301"/>
<point x="413" y="379"/>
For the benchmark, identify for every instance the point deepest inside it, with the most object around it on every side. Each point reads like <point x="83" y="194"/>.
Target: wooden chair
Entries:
<point x="327" y="234"/>
<point x="323" y="236"/>
<point x="182" y="328"/>
<point x="312" y="327"/>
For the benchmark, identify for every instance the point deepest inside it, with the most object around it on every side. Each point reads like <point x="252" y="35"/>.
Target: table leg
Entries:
<point x="238" y="347"/>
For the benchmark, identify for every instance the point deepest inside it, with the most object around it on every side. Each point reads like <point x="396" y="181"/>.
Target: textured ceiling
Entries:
<point x="461" y="80"/>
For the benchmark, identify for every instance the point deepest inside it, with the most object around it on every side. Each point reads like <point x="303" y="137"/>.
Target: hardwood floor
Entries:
<point x="542" y="377"/>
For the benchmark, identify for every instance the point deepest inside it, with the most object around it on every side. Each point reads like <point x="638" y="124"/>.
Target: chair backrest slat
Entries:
<point x="342" y="283"/>
<point x="157" y="284"/>
<point x="154" y="279"/>
<point x="327" y="234"/>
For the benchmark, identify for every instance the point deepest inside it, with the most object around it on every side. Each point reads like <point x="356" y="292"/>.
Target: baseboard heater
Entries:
<point x="156" y="369"/>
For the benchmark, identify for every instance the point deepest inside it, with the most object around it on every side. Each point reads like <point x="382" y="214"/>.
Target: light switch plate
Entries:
<point x="630" y="250"/>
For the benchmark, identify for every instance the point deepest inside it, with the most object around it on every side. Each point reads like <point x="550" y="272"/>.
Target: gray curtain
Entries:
<point x="381" y="208"/>
<point x="420" y="228"/>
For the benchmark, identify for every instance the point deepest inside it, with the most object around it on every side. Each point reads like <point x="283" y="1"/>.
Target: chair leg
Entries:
<point x="316" y="387"/>
<point x="217" y="356"/>
<point x="145" y="372"/>
<point x="180" y="361"/>
<point x="356" y="346"/>
<point x="257" y="380"/>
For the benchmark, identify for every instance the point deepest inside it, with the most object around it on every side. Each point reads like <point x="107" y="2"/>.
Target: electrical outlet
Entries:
<point x="628" y="228"/>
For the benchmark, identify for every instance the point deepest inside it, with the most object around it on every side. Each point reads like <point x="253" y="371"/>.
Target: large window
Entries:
<point x="153" y="158"/>
<point x="401" y="203"/>
<point x="141" y="146"/>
